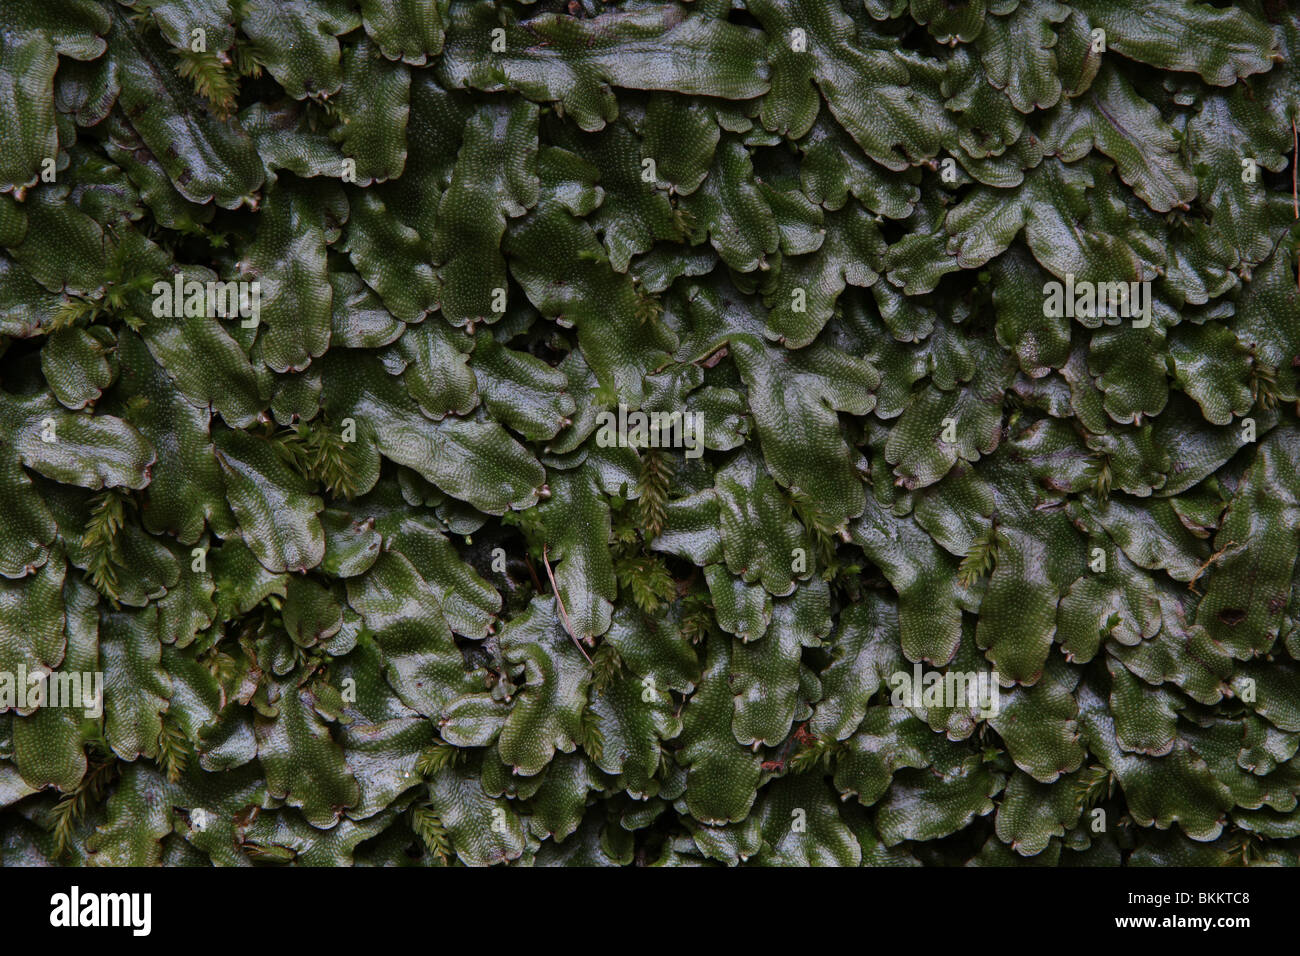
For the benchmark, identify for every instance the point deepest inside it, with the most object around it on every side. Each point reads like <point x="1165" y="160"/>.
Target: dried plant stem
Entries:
<point x="559" y="602"/>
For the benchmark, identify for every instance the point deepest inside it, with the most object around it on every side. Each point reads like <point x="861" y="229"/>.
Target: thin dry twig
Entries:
<point x="1191" y="585"/>
<point x="559" y="601"/>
